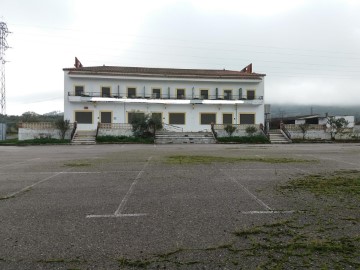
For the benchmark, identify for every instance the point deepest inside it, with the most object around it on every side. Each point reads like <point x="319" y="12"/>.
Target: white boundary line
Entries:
<point x="19" y="162"/>
<point x="125" y="199"/>
<point x="28" y="187"/>
<point x="268" y="209"/>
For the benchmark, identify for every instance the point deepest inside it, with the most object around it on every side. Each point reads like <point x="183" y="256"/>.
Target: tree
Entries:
<point x="230" y="129"/>
<point x="337" y="125"/>
<point x="63" y="126"/>
<point x="304" y="129"/>
<point x="143" y="125"/>
<point x="30" y="117"/>
<point x="250" y="130"/>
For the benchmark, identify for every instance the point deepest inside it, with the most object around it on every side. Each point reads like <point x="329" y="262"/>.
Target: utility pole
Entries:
<point x="3" y="47"/>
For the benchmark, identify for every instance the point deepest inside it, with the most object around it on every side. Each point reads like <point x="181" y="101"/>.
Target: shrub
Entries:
<point x="245" y="139"/>
<point x="230" y="129"/>
<point x="63" y="126"/>
<point x="250" y="130"/>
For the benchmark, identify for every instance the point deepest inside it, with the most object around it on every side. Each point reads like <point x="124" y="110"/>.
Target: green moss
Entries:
<point x="180" y="159"/>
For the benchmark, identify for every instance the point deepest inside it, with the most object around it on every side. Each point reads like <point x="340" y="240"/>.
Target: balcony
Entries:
<point x="161" y="98"/>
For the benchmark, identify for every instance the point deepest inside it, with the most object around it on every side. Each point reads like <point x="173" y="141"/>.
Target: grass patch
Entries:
<point x="77" y="164"/>
<point x="180" y="159"/>
<point x="339" y="183"/>
<point x="34" y="141"/>
<point x="123" y="139"/>
<point x="244" y="139"/>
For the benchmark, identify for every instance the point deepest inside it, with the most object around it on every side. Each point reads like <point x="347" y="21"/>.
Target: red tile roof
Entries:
<point x="246" y="73"/>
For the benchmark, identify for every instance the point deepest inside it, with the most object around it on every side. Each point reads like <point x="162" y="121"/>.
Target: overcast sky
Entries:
<point x="309" y="49"/>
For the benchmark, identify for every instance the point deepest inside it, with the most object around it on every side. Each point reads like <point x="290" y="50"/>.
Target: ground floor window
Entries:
<point x="227" y="118"/>
<point x="105" y="117"/>
<point x="157" y="115"/>
<point x="131" y="116"/>
<point x="84" y="117"/>
<point x="207" y="118"/>
<point x="177" y="118"/>
<point x="247" y="118"/>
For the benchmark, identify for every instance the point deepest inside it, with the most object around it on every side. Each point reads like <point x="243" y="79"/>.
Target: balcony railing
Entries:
<point x="166" y="96"/>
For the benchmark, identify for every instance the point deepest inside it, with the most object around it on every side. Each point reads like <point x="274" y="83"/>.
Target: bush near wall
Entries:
<point x="123" y="139"/>
<point x="244" y="139"/>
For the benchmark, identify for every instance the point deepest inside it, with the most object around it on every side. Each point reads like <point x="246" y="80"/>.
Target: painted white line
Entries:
<point x="260" y="202"/>
<point x="268" y="212"/>
<point x="35" y="184"/>
<point x="130" y="191"/>
<point x="17" y="163"/>
<point x="115" y="216"/>
<point x="118" y="211"/>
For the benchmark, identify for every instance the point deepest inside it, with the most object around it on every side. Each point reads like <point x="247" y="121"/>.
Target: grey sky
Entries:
<point x="308" y="49"/>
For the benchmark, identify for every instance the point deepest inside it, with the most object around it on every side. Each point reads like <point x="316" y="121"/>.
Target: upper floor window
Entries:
<point x="156" y="93"/>
<point x="79" y="90"/>
<point x="180" y="93"/>
<point x="204" y="94"/>
<point x="250" y="94"/>
<point x="105" y="91"/>
<point x="131" y="92"/>
<point x="228" y="94"/>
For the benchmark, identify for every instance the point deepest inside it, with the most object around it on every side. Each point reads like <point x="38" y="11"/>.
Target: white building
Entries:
<point x="187" y="98"/>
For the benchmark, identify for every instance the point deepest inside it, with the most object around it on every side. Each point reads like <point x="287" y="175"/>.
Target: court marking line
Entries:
<point x="260" y="202"/>
<point x="12" y="195"/>
<point x="269" y="212"/>
<point x="19" y="162"/>
<point x="126" y="198"/>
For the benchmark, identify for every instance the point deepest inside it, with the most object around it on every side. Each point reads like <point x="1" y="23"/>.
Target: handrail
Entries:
<point x="213" y="131"/>
<point x="73" y="132"/>
<point x="238" y="126"/>
<point x="285" y="131"/>
<point x="97" y="130"/>
<point x="166" y="96"/>
<point x="115" y="126"/>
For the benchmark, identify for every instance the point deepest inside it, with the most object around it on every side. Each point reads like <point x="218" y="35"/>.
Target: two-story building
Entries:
<point x="188" y="98"/>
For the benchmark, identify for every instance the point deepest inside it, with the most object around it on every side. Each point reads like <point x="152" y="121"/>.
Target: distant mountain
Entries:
<point x="284" y="110"/>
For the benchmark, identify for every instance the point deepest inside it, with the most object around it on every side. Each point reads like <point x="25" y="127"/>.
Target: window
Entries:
<point x="105" y="91"/>
<point x="105" y="117"/>
<point x="204" y="94"/>
<point x="157" y="115"/>
<point x="79" y="90"/>
<point x="247" y="118"/>
<point x="227" y="118"/>
<point x="207" y="118"/>
<point x="180" y="93"/>
<point x="131" y="92"/>
<point x="131" y="115"/>
<point x="228" y="94"/>
<point x="84" y="117"/>
<point x="156" y="93"/>
<point x="250" y="94"/>
<point x="177" y="118"/>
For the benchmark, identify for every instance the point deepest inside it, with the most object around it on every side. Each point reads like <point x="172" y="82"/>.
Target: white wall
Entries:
<point x="30" y="134"/>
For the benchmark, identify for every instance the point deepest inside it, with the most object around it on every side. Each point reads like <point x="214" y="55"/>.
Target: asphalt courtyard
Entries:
<point x="175" y="207"/>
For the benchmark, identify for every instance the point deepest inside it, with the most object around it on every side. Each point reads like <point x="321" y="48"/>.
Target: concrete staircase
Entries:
<point x="167" y="137"/>
<point x="84" y="137"/>
<point x="276" y="136"/>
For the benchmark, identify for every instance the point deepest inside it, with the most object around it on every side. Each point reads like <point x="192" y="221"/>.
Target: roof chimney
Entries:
<point x="247" y="69"/>
<point x="77" y="63"/>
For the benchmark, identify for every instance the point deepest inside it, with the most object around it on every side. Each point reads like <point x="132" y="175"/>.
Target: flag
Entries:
<point x="77" y="63"/>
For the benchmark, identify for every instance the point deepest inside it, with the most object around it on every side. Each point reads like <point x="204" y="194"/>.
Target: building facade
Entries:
<point x="190" y="99"/>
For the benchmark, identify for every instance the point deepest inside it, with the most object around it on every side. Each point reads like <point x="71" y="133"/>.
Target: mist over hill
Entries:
<point x="285" y="110"/>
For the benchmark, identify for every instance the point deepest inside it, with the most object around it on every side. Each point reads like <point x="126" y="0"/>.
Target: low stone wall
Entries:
<point x="30" y="134"/>
<point x="115" y="132"/>
<point x="323" y="133"/>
